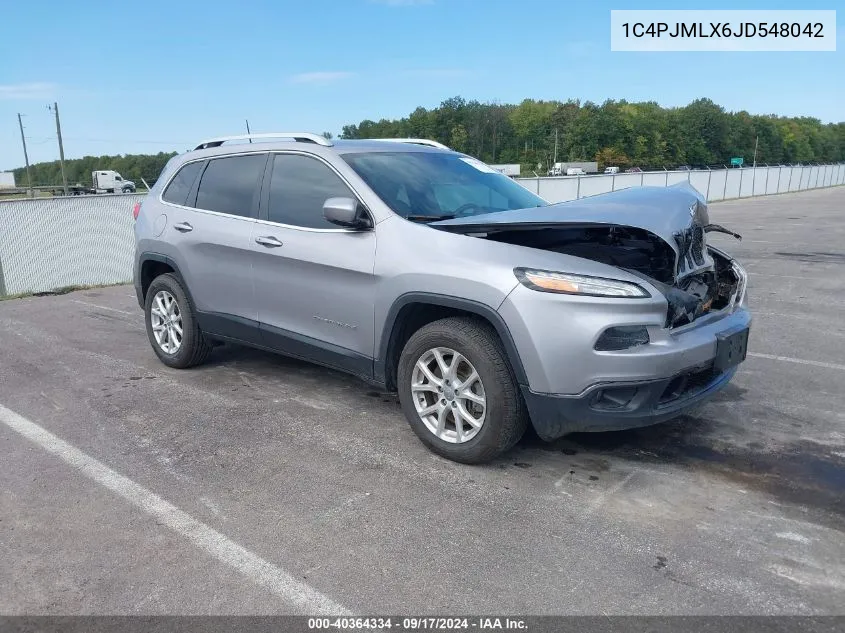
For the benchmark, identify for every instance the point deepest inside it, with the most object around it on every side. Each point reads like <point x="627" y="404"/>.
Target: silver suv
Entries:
<point x="426" y="272"/>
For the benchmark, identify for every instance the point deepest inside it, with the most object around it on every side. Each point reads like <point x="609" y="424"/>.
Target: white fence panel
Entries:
<point x="655" y="179"/>
<point x="758" y="181"/>
<point x="717" y="184"/>
<point x="772" y="175"/>
<point x="792" y="178"/>
<point x="805" y="177"/>
<point x="625" y="181"/>
<point x="594" y="185"/>
<point x="674" y="177"/>
<point x="701" y="181"/>
<point x="796" y="178"/>
<point x="732" y="181"/>
<point x="746" y="182"/>
<point x="553" y="189"/>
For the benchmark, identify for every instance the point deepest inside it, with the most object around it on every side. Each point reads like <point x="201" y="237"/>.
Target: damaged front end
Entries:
<point x="656" y="233"/>
<point x="705" y="291"/>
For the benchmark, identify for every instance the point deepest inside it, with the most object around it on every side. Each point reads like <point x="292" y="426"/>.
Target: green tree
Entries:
<point x="459" y="138"/>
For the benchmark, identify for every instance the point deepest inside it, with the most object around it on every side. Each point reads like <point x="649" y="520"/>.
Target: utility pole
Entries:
<point x="555" y="160"/>
<point x="754" y="166"/>
<point x="55" y="109"/>
<point x="25" y="156"/>
<point x="247" y="129"/>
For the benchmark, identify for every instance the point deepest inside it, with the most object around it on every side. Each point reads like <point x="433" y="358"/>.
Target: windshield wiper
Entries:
<point x="429" y="218"/>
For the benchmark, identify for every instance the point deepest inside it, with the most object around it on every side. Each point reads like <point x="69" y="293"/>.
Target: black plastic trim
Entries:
<point x="148" y="256"/>
<point x="260" y="335"/>
<point x="316" y="351"/>
<point x="390" y="330"/>
<point x="556" y="415"/>
<point x="230" y="327"/>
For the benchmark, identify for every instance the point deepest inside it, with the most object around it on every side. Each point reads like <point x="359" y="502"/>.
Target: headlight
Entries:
<point x="742" y="284"/>
<point x="567" y="283"/>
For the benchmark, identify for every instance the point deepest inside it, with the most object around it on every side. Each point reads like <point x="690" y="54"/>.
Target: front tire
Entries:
<point x="458" y="391"/>
<point x="172" y="326"/>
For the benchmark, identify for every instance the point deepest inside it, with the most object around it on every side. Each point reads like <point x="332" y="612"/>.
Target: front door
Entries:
<point x="314" y="281"/>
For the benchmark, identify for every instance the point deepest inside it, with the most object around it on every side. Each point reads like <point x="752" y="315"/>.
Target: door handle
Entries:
<point x="268" y="241"/>
<point x="183" y="227"/>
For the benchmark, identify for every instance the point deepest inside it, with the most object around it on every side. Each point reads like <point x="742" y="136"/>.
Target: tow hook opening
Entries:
<point x="613" y="398"/>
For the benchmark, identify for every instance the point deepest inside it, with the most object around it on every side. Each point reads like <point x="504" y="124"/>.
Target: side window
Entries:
<point x="228" y="185"/>
<point x="179" y="188"/>
<point x="298" y="188"/>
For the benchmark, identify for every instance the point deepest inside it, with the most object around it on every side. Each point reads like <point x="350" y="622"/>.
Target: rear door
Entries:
<point x="212" y="237"/>
<point x="314" y="280"/>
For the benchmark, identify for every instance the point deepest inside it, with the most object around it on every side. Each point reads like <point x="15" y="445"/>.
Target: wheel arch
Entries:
<point x="412" y="310"/>
<point x="152" y="265"/>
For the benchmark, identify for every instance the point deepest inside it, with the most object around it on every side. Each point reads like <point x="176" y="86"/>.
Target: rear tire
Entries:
<point x="502" y="419"/>
<point x="175" y="349"/>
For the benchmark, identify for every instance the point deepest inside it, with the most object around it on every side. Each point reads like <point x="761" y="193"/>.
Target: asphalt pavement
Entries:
<point x="257" y="484"/>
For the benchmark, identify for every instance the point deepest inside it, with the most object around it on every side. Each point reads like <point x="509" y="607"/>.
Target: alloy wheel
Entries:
<point x="448" y="395"/>
<point x="166" y="322"/>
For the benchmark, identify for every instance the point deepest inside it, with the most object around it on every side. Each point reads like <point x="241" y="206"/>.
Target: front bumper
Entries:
<point x="617" y="406"/>
<point x="556" y="337"/>
<point x="572" y="387"/>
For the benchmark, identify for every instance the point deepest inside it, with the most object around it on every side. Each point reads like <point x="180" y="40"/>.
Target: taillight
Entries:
<point x="136" y="210"/>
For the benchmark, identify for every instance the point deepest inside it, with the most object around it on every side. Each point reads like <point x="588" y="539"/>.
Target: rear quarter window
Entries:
<point x="179" y="188"/>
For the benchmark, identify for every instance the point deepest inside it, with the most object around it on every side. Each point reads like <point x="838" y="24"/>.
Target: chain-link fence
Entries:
<point x="52" y="243"/>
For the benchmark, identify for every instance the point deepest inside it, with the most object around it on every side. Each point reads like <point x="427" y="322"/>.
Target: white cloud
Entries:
<point x="34" y="90"/>
<point x="321" y="77"/>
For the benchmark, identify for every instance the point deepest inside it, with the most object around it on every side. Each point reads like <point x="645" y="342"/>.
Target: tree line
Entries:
<point x="78" y="170"/>
<point x="619" y="133"/>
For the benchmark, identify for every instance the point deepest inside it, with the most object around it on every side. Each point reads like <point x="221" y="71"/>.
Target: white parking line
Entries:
<point x="800" y="361"/>
<point x="207" y="539"/>
<point x="600" y="499"/>
<point x="95" y="305"/>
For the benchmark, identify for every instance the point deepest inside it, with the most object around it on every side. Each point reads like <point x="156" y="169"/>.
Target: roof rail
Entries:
<point x="415" y="141"/>
<point x="296" y="136"/>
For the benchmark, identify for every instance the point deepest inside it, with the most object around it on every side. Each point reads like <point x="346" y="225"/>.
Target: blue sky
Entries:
<point x="160" y="76"/>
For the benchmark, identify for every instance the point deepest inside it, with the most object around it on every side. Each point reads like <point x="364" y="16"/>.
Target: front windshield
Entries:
<point x="433" y="185"/>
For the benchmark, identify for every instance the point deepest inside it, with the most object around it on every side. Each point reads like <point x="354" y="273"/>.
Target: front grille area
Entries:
<point x="688" y="385"/>
<point x="690" y="243"/>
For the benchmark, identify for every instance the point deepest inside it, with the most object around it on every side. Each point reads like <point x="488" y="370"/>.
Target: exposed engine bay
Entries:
<point x="707" y="288"/>
<point x="656" y="233"/>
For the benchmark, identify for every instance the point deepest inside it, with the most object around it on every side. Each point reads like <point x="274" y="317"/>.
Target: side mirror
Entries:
<point x="346" y="212"/>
